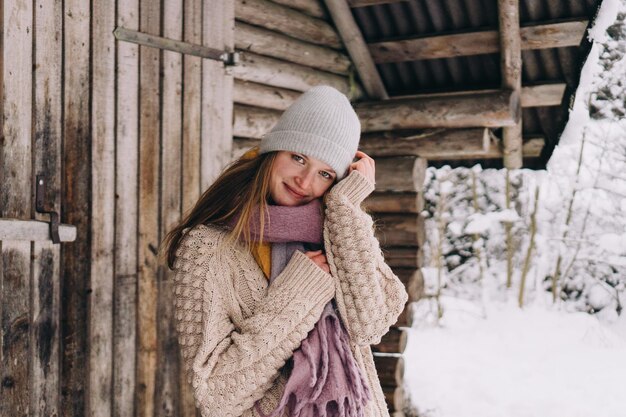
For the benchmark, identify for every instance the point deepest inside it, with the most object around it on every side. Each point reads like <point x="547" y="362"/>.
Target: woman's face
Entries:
<point x="297" y="179"/>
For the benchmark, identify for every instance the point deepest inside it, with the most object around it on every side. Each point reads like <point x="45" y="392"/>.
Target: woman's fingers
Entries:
<point x="319" y="259"/>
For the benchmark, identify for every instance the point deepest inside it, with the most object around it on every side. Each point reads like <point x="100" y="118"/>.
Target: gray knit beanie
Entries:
<point x="322" y="124"/>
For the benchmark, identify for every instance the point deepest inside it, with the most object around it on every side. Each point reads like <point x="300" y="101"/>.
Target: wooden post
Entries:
<point x="76" y="205"/>
<point x="355" y="44"/>
<point x="46" y="283"/>
<point x="217" y="90"/>
<point x="494" y="109"/>
<point x="15" y="194"/>
<point x="126" y="168"/>
<point x="148" y="226"/>
<point x="511" y="67"/>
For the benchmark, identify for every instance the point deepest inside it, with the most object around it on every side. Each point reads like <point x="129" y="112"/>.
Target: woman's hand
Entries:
<point x="318" y="257"/>
<point x="365" y="165"/>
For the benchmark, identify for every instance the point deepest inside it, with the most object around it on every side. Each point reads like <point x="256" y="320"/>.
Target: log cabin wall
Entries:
<point x="126" y="137"/>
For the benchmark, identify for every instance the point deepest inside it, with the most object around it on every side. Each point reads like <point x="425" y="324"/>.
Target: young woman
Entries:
<point x="280" y="284"/>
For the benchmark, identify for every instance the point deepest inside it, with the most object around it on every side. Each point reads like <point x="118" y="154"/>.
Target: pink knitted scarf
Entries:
<point x="325" y="380"/>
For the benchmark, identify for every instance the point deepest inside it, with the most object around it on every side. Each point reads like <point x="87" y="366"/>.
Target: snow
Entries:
<point x="485" y="356"/>
<point x="515" y="363"/>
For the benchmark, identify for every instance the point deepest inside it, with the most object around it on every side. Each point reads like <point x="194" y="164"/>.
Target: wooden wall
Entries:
<point x="127" y="137"/>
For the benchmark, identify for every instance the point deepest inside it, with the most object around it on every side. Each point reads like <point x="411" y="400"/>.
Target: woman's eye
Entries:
<point x="326" y="175"/>
<point x="297" y="158"/>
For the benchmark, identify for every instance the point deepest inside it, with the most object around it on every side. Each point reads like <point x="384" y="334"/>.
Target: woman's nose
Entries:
<point x="305" y="179"/>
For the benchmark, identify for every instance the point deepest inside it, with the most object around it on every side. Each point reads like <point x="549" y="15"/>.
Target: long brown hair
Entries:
<point x="241" y="188"/>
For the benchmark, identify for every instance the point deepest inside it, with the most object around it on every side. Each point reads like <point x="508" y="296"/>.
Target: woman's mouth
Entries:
<point x="294" y="192"/>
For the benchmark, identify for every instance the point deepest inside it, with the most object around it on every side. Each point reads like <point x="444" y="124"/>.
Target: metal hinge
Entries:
<point x="140" y="38"/>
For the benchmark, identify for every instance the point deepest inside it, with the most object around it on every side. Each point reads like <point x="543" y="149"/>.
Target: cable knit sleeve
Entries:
<point x="230" y="368"/>
<point x="370" y="296"/>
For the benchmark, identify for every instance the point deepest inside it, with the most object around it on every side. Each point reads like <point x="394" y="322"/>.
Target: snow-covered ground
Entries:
<point x="535" y="362"/>
<point x="486" y="356"/>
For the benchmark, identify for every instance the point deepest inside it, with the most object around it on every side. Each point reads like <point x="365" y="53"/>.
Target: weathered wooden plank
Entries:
<point x="392" y="342"/>
<point x="390" y="370"/>
<point x="286" y="20"/>
<point x="33" y="230"/>
<point x="265" y="96"/>
<point x="531" y="148"/>
<point x="543" y="36"/>
<point x="352" y="38"/>
<point x="217" y="91"/>
<point x="46" y="282"/>
<point x="266" y="42"/>
<point x="511" y="69"/>
<point x="390" y="202"/>
<point x="126" y="168"/>
<point x="495" y="109"/>
<point x="76" y="205"/>
<point x="253" y="122"/>
<point x="430" y="144"/>
<point x="311" y="7"/>
<point x="148" y="240"/>
<point x="543" y="95"/>
<point x="404" y="257"/>
<point x="15" y="195"/>
<point x="400" y="174"/>
<point x="103" y="210"/>
<point x="395" y="398"/>
<point x="192" y="82"/>
<point x="394" y="229"/>
<point x="277" y="73"/>
<point x="364" y="3"/>
<point x="167" y="392"/>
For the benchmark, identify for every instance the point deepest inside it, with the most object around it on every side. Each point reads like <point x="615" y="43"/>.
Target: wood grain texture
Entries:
<point x="390" y="370"/>
<point x="46" y="282"/>
<point x="277" y="73"/>
<point x="431" y="144"/>
<point x="394" y="202"/>
<point x="126" y="168"/>
<point x="76" y="206"/>
<point x="393" y="229"/>
<point x="404" y="256"/>
<point x="253" y="122"/>
<point x="217" y="91"/>
<point x="544" y="36"/>
<point x="283" y="19"/>
<point x="311" y="7"/>
<point x="413" y="281"/>
<point x="15" y="194"/>
<point x="404" y="174"/>
<point x="352" y="38"/>
<point x="269" y="43"/>
<point x="392" y="342"/>
<point x="264" y="96"/>
<point x="148" y="239"/>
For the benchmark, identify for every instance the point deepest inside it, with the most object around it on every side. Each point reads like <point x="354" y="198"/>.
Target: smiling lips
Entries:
<point x="294" y="192"/>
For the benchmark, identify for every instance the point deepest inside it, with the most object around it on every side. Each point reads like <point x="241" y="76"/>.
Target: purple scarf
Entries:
<point x="325" y="380"/>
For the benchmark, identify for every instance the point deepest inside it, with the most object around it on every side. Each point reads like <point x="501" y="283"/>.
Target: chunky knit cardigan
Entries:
<point x="236" y="332"/>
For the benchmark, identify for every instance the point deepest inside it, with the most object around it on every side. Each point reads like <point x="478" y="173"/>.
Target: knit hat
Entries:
<point x="322" y="124"/>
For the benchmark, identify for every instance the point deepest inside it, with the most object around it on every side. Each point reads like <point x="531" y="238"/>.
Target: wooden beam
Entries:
<point x="429" y="144"/>
<point x="390" y="202"/>
<point x="392" y="342"/>
<point x="286" y="20"/>
<point x="277" y="73"/>
<point x="395" y="399"/>
<point x="364" y="3"/>
<point x="355" y="44"/>
<point x="390" y="370"/>
<point x="404" y="256"/>
<point x="311" y="7"/>
<point x="511" y="68"/>
<point x="400" y="229"/>
<point x="413" y="281"/>
<point x="266" y="42"/>
<point x="252" y="122"/>
<point x="543" y="95"/>
<point x="543" y="36"/>
<point x="495" y="109"/>
<point x="400" y="174"/>
<point x="265" y="96"/>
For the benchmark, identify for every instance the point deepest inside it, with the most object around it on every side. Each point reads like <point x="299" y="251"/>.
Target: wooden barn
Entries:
<point x="117" y="114"/>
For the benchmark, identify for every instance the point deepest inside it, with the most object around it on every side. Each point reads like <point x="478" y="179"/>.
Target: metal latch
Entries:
<point x="145" y="39"/>
<point x="40" y="207"/>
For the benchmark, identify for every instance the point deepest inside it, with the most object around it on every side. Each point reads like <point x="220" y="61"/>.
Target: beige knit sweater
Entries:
<point x="236" y="332"/>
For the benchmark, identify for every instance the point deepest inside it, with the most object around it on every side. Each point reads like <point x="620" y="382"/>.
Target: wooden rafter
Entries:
<point x="511" y="68"/>
<point x="355" y="44"/>
<point x="543" y="36"/>
<point x="364" y="3"/>
<point x="357" y="48"/>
